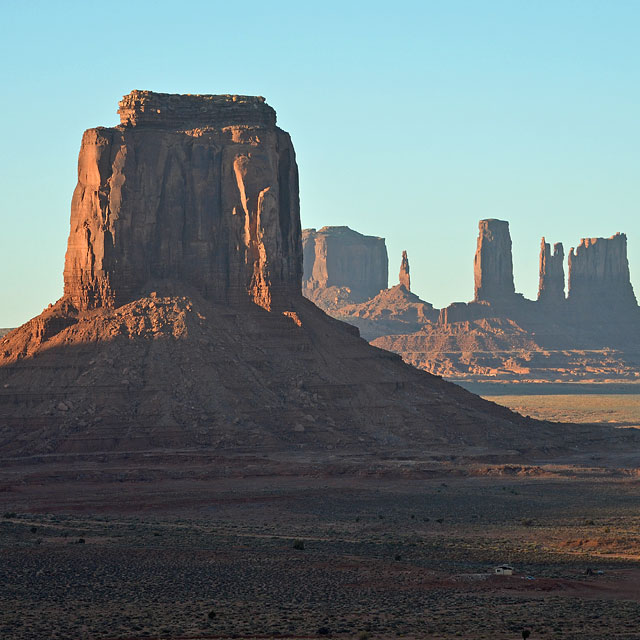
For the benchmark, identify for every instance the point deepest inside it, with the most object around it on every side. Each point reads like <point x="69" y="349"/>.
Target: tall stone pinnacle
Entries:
<point x="404" y="277"/>
<point x="551" y="287"/>
<point x="493" y="266"/>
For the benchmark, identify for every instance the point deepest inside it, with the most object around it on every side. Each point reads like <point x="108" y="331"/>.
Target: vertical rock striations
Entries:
<point x="341" y="257"/>
<point x="493" y="267"/>
<point x="196" y="188"/>
<point x="599" y="275"/>
<point x="404" y="277"/>
<point x="551" y="287"/>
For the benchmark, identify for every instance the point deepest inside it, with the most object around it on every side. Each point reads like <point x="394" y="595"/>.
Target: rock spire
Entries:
<point x="493" y="266"/>
<point x="404" y="277"/>
<point x="551" y="287"/>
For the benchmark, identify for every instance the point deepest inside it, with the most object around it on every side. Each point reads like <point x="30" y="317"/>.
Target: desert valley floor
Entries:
<point x="405" y="553"/>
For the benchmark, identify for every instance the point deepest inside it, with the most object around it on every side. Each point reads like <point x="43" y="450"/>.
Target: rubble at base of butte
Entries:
<point x="589" y="335"/>
<point x="183" y="327"/>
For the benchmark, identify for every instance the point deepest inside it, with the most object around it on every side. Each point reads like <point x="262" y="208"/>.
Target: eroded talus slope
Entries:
<point x="175" y="371"/>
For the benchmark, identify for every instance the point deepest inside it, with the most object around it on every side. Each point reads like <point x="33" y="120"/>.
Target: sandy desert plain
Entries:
<point x="401" y="550"/>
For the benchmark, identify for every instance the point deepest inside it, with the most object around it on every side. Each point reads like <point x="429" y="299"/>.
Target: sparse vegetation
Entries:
<point x="232" y="572"/>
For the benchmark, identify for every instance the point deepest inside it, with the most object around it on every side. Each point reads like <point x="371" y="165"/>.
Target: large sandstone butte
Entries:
<point x="182" y="327"/>
<point x="344" y="265"/>
<point x="599" y="275"/>
<point x="201" y="189"/>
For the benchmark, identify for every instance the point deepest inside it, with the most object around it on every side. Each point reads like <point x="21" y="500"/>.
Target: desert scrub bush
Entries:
<point x="298" y="545"/>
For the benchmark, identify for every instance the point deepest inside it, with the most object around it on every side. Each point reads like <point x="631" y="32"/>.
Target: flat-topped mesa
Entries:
<point x="493" y="266"/>
<point x="215" y="207"/>
<point x="404" y="277"/>
<point x="341" y="257"/>
<point x="175" y="111"/>
<point x="599" y="274"/>
<point x="551" y="287"/>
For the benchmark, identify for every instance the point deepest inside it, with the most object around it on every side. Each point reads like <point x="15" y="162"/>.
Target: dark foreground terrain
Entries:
<point x="313" y="556"/>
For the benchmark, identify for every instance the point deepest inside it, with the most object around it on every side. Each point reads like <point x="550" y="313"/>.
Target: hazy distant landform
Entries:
<point x="587" y="336"/>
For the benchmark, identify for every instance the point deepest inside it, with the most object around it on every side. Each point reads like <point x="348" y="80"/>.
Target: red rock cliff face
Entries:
<point x="551" y="287"/>
<point x="341" y="257"/>
<point x="199" y="189"/>
<point x="493" y="267"/>
<point x="599" y="274"/>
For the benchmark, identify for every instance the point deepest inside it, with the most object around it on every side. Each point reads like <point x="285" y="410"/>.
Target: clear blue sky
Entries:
<point x="411" y="120"/>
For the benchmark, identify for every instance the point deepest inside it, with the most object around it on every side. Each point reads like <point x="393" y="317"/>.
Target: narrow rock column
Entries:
<point x="551" y="287"/>
<point x="404" y="277"/>
<point x="493" y="266"/>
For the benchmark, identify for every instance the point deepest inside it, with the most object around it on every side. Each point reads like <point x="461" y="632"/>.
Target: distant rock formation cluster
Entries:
<point x="591" y="333"/>
<point x="599" y="281"/>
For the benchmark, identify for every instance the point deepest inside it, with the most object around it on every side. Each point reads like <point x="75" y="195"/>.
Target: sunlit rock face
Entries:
<point x="195" y="188"/>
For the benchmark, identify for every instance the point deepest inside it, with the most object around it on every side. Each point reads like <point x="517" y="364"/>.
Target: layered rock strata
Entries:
<point x="404" y="277"/>
<point x="203" y="189"/>
<point x="551" y="286"/>
<point x="493" y="266"/>
<point x="182" y="327"/>
<point x="599" y="275"/>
